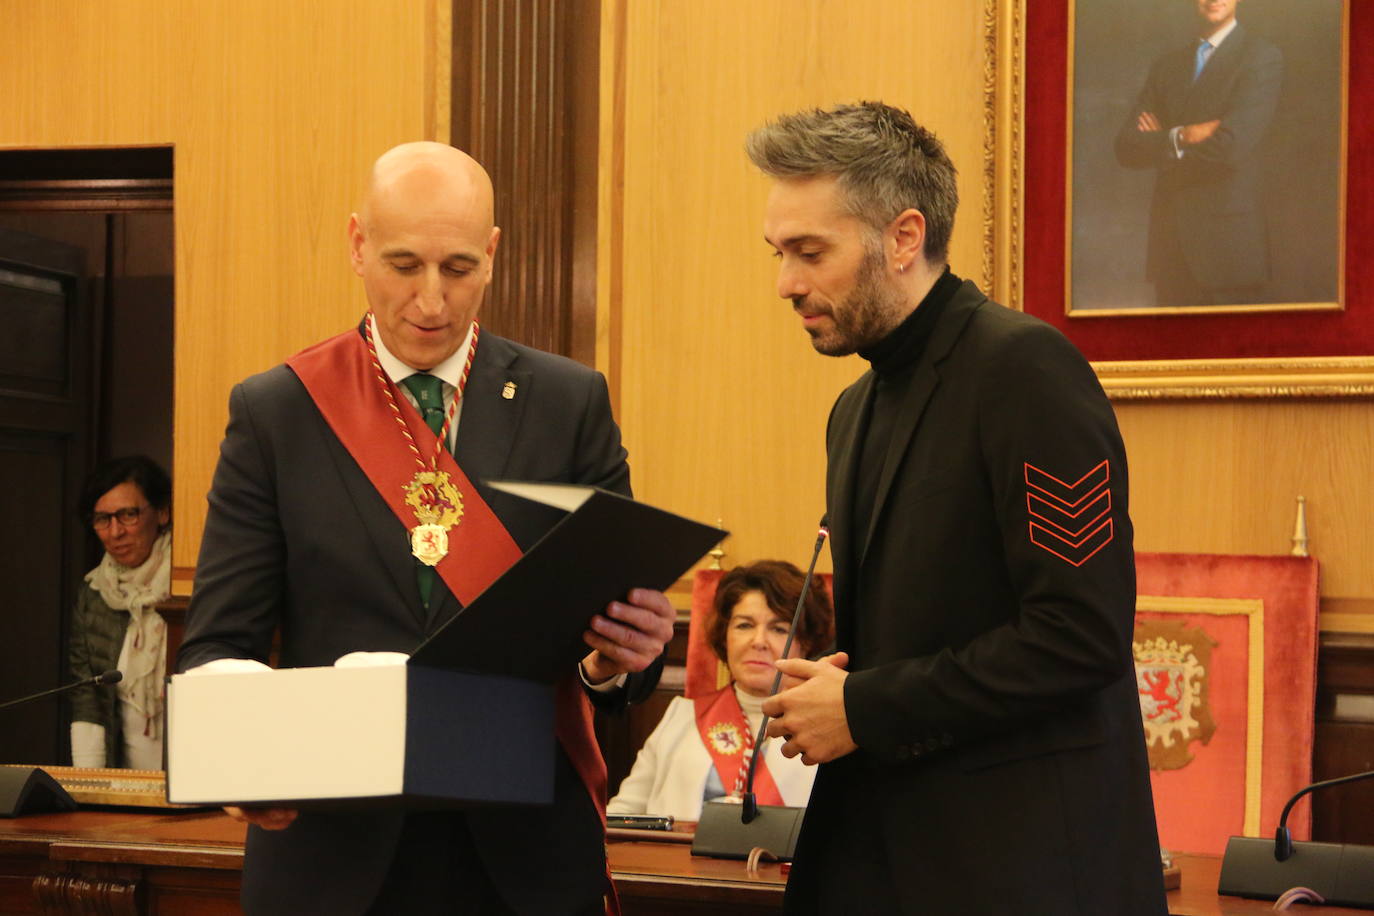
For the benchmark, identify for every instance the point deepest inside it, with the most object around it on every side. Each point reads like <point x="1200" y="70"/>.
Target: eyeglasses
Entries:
<point x="101" y="520"/>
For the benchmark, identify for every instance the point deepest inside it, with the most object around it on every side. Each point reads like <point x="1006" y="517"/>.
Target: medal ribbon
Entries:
<point x="727" y="737"/>
<point x="339" y="377"/>
<point x="442" y="435"/>
<point x="335" y="374"/>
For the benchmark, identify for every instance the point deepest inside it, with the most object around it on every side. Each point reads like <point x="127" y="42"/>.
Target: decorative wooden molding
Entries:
<point x="523" y="105"/>
<point x="1336" y="376"/>
<point x="1003" y="159"/>
<point x="438" y="69"/>
<point x="610" y="200"/>
<point x="98" y="195"/>
<point x="1348" y="616"/>
<point x="111" y="890"/>
<point x="991" y="59"/>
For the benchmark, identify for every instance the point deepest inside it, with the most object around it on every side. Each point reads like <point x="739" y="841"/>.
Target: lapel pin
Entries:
<point x="508" y="392"/>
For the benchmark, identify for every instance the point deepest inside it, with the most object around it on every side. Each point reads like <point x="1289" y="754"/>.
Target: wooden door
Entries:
<point x="46" y="360"/>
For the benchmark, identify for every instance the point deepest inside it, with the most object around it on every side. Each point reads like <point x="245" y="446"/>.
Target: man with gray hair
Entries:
<point x="978" y="728"/>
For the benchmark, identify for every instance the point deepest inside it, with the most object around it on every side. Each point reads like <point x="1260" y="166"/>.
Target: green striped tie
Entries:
<point x="429" y="395"/>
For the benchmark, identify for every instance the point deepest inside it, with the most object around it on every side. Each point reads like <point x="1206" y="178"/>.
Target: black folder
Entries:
<point x="529" y="622"/>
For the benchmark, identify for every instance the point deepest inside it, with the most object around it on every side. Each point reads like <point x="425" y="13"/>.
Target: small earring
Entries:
<point x="901" y="268"/>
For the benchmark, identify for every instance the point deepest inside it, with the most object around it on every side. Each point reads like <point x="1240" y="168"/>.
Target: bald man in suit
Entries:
<point x="308" y="535"/>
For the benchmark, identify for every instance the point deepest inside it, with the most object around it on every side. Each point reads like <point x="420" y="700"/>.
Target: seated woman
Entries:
<point x="114" y="624"/>
<point x="701" y="748"/>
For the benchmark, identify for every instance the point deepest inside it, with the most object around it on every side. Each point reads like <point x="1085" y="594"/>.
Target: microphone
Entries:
<point x="719" y="832"/>
<point x="1283" y="839"/>
<point x="105" y="678"/>
<point x="750" y="809"/>
<point x="1341" y="873"/>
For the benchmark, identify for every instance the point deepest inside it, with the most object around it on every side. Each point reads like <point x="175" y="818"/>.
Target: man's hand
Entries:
<point x="1193" y="134"/>
<point x="266" y="818"/>
<point x="811" y="716"/>
<point x="1146" y="121"/>
<point x="628" y="635"/>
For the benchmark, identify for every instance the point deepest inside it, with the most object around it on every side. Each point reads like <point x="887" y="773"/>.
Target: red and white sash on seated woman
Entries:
<point x="727" y="737"/>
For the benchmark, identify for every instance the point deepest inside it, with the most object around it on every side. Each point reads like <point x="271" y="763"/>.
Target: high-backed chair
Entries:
<point x="1225" y="653"/>
<point x="1225" y="650"/>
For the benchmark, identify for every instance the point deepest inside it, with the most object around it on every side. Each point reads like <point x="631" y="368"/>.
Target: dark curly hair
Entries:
<point x="780" y="583"/>
<point x="139" y="470"/>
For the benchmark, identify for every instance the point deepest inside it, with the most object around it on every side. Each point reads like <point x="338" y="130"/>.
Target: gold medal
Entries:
<point x="438" y="506"/>
<point x="431" y="495"/>
<point x="429" y="543"/>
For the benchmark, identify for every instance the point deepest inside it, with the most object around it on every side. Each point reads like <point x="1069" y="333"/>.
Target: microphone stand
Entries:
<point x="99" y="680"/>
<point x="722" y="832"/>
<point x="750" y="808"/>
<point x="1343" y="874"/>
<point x="30" y="790"/>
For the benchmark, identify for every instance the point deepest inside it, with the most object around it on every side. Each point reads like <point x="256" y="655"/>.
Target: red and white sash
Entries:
<point x="726" y="735"/>
<point x="340" y="378"/>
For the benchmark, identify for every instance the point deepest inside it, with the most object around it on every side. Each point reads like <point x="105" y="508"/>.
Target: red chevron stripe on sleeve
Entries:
<point x="1070" y="520"/>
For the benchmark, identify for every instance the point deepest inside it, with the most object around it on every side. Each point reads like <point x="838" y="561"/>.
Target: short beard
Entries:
<point x="867" y="315"/>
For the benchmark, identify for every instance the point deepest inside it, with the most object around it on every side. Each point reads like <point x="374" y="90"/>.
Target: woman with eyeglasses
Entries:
<point x="115" y="624"/>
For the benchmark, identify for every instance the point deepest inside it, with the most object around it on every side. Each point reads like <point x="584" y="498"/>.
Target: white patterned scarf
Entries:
<point x="137" y="590"/>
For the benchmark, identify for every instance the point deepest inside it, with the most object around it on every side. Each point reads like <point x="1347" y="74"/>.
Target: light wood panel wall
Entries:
<point x="722" y="401"/>
<point x="275" y="109"/>
<point x="1224" y="477"/>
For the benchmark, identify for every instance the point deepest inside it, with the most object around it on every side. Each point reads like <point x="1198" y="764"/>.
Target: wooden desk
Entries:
<point x="663" y="878"/>
<point x="133" y="863"/>
<point x="1197" y="895"/>
<point x="121" y="863"/>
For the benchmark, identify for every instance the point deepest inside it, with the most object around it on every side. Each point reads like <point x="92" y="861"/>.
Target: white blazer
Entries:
<point x="670" y="773"/>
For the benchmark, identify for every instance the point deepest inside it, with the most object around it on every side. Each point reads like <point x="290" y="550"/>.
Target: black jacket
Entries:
<point x="298" y="537"/>
<point x="987" y="606"/>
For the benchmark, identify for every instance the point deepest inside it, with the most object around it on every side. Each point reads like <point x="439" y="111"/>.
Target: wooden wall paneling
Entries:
<point x="525" y="103"/>
<point x="1345" y="739"/>
<point x="275" y="111"/>
<point x="610" y="198"/>
<point x="722" y="401"/>
<point x="1224" y="477"/>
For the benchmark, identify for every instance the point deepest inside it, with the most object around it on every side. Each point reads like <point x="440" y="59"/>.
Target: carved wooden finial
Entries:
<point x="716" y="553"/>
<point x="1300" y="530"/>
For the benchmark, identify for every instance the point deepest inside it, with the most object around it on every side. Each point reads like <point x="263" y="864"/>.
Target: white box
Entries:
<point x="337" y="738"/>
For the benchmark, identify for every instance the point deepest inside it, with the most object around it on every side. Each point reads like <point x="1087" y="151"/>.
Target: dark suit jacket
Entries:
<point x="1206" y="216"/>
<point x="1001" y="764"/>
<point x="297" y="537"/>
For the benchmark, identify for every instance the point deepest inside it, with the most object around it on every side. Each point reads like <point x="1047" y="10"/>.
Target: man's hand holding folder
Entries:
<point x="628" y="635"/>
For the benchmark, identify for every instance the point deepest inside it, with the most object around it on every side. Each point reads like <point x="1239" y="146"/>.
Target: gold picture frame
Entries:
<point x="1014" y="181"/>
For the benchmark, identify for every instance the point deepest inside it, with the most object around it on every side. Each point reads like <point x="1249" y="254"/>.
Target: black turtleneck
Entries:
<point x="903" y="346"/>
<point x="894" y="359"/>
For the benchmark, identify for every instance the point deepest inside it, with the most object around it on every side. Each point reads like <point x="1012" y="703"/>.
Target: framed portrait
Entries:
<point x="1190" y="217"/>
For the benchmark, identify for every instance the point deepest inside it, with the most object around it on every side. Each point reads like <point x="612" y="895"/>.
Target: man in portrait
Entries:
<point x="1198" y="122"/>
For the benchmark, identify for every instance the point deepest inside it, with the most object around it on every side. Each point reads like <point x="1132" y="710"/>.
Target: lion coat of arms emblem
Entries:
<point x="1172" y="665"/>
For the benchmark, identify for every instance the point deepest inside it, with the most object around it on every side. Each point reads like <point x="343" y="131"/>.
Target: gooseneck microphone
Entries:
<point x="103" y="679"/>
<point x="1283" y="839"/>
<point x="1340" y="873"/>
<point x="750" y="807"/>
